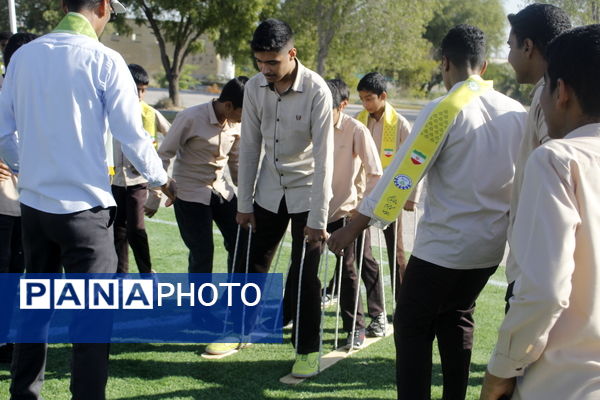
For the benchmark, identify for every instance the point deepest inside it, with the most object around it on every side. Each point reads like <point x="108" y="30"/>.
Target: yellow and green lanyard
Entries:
<point x="388" y="137"/>
<point x="431" y="136"/>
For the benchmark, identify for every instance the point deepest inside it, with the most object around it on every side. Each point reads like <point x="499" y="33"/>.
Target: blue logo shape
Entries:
<point x="402" y="182"/>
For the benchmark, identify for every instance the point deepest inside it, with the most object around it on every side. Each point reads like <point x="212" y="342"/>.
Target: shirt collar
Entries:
<point x="537" y="85"/>
<point x="297" y="86"/>
<point x="212" y="116"/>
<point x="76" y="24"/>
<point x="340" y="121"/>
<point x="591" y="130"/>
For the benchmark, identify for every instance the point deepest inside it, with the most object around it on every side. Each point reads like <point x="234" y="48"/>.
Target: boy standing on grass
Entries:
<point x="354" y="149"/>
<point x="549" y="343"/>
<point x="466" y="142"/>
<point x="389" y="130"/>
<point x="531" y="30"/>
<point x="130" y="189"/>
<point x="288" y="112"/>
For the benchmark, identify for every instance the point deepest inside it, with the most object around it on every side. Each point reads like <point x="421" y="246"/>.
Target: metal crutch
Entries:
<point x="356" y="297"/>
<point x="381" y="280"/>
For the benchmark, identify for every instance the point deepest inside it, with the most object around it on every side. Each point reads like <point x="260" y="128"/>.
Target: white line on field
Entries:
<point x="492" y="282"/>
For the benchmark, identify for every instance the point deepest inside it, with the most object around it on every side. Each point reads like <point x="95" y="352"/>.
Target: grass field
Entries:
<point x="173" y="371"/>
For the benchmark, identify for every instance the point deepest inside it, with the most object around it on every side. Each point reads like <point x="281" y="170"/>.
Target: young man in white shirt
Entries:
<point x="466" y="142"/>
<point x="61" y="93"/>
<point x="549" y="342"/>
<point x="532" y="29"/>
<point x="287" y="111"/>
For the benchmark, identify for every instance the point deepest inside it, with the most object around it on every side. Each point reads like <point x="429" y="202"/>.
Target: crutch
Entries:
<point x="246" y="281"/>
<point x="395" y="268"/>
<point x="381" y="280"/>
<point x="284" y="276"/>
<point x="356" y="297"/>
<point x="297" y="325"/>
<point x="325" y="252"/>
<point x="339" y="289"/>
<point x="235" y="251"/>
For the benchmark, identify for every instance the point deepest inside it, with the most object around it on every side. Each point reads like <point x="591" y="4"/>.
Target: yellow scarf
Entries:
<point x="413" y="163"/>
<point x="388" y="137"/>
<point x="149" y="120"/>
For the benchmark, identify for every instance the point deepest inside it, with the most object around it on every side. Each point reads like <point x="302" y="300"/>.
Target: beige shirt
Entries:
<point x="295" y="130"/>
<point x="125" y="173"/>
<point x="354" y="147"/>
<point x="551" y="334"/>
<point x="469" y="179"/>
<point x="203" y="147"/>
<point x="9" y="197"/>
<point x="536" y="133"/>
<point x="376" y="128"/>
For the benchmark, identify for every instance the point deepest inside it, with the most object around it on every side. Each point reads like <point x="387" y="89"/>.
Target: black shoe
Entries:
<point x="377" y="326"/>
<point x="6" y="352"/>
<point x="359" y="339"/>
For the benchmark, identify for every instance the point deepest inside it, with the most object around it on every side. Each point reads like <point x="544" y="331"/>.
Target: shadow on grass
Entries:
<point x="245" y="379"/>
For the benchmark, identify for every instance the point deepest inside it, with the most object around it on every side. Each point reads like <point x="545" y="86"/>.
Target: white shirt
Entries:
<point x="551" y="334"/>
<point x="468" y="183"/>
<point x="61" y="92"/>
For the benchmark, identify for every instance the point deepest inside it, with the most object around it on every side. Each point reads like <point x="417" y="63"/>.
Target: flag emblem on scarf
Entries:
<point x="417" y="157"/>
<point x="388" y="152"/>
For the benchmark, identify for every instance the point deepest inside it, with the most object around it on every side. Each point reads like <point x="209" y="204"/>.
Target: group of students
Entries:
<point x="295" y="156"/>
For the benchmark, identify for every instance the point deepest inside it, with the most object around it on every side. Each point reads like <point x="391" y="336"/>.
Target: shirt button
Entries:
<point x="276" y="140"/>
<point x="277" y="159"/>
<point x="281" y="174"/>
<point x="278" y="99"/>
<point x="285" y="187"/>
<point x="277" y="119"/>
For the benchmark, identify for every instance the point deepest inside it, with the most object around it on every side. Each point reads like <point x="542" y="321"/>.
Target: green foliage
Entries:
<point x="187" y="81"/>
<point x="41" y="16"/>
<point x="582" y="12"/>
<point x="504" y="81"/>
<point x="487" y="15"/>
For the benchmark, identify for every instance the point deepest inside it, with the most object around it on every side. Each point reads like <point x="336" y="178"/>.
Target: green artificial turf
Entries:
<point x="176" y="371"/>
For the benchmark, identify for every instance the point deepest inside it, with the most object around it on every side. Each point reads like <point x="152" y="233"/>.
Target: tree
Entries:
<point x="346" y="37"/>
<point x="181" y="23"/>
<point x="488" y="15"/>
<point x="582" y="12"/>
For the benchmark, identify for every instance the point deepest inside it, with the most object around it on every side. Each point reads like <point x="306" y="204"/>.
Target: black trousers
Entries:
<point x="350" y="283"/>
<point x="270" y="228"/>
<point x="130" y="228"/>
<point x="11" y="261"/>
<point x="370" y="267"/>
<point x="81" y="242"/>
<point x="195" y="226"/>
<point x="435" y="302"/>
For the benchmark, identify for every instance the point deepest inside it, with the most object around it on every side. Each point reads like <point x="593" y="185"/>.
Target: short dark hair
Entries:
<point x="14" y="43"/>
<point x="574" y="57"/>
<point x="342" y="87"/>
<point x="140" y="76"/>
<point x="78" y="5"/>
<point x="271" y="35"/>
<point x="539" y="22"/>
<point x="5" y="35"/>
<point x="336" y="96"/>
<point x="233" y="91"/>
<point x="464" y="46"/>
<point x="372" y="82"/>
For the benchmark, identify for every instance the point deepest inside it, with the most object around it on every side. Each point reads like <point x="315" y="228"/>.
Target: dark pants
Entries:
<point x="508" y="295"/>
<point x="130" y="228"/>
<point x="350" y="284"/>
<point x="370" y="267"/>
<point x="80" y="242"/>
<point x="435" y="302"/>
<point x="195" y="226"/>
<point x="270" y="228"/>
<point x="11" y="261"/>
